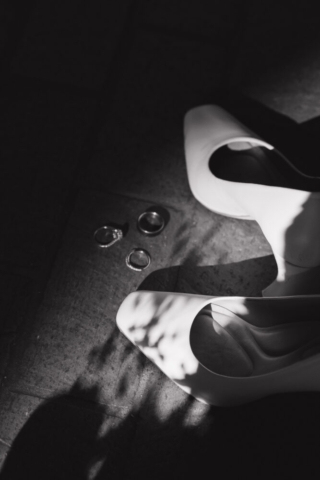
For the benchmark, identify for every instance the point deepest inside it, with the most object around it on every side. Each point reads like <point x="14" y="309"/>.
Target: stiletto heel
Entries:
<point x="227" y="350"/>
<point x="235" y="173"/>
<point x="293" y="280"/>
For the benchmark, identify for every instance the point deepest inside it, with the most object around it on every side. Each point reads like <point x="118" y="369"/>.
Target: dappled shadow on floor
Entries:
<point x="276" y="437"/>
<point x="164" y="433"/>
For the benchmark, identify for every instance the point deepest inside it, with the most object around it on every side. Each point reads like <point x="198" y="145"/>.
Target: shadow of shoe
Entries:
<point x="245" y="278"/>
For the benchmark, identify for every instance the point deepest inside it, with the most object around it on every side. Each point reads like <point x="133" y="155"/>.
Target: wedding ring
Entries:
<point x="150" y="223"/>
<point x="138" y="259"/>
<point x="107" y="236"/>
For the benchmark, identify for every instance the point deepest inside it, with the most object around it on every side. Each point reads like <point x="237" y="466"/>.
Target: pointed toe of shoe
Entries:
<point x="253" y="350"/>
<point x="159" y="325"/>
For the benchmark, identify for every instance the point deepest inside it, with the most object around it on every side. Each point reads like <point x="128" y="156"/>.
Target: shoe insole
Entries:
<point x="261" y="166"/>
<point x="228" y="345"/>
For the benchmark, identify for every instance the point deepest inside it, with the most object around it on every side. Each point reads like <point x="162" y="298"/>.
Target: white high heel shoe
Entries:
<point x="235" y="173"/>
<point x="227" y="350"/>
